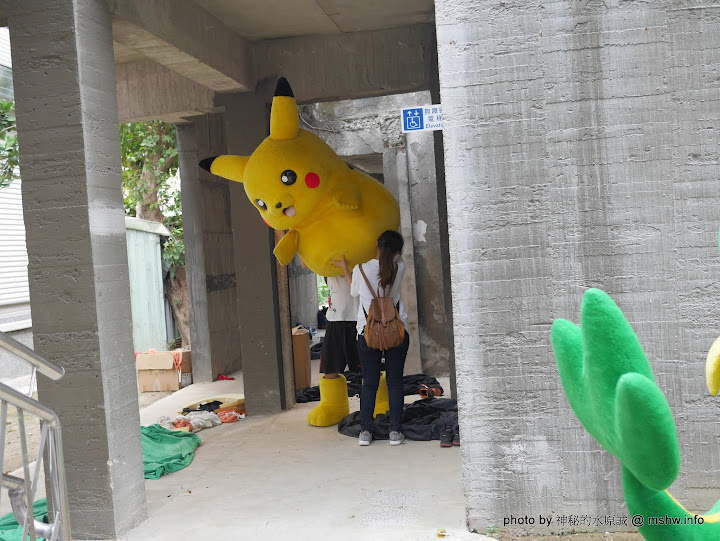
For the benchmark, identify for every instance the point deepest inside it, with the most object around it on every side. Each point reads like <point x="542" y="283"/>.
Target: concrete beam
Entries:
<point x="348" y="66"/>
<point x="149" y="91"/>
<point x="187" y="39"/>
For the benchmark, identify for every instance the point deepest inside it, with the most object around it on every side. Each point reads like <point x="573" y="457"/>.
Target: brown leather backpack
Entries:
<point x="384" y="329"/>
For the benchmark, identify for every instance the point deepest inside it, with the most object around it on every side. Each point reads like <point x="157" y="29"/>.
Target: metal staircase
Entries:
<point x="22" y="490"/>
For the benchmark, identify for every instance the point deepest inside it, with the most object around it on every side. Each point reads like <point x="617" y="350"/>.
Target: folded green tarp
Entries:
<point x="166" y="451"/>
<point x="10" y="530"/>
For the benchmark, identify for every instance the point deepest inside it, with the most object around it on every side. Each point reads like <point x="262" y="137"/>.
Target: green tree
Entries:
<point x="8" y="144"/>
<point x="149" y="165"/>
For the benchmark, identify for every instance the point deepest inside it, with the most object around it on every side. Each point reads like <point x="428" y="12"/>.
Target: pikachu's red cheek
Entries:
<point x="312" y="180"/>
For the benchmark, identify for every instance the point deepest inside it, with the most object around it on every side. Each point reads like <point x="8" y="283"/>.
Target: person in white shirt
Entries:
<point x="386" y="272"/>
<point x="339" y="349"/>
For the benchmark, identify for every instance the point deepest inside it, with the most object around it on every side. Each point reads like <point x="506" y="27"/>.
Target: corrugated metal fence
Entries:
<point x="147" y="298"/>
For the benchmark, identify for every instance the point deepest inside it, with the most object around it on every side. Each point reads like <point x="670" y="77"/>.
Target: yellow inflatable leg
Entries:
<point x="382" y="401"/>
<point x="333" y="403"/>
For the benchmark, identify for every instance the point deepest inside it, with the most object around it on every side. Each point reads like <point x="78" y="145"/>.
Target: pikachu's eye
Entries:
<point x="261" y="204"/>
<point x="288" y="177"/>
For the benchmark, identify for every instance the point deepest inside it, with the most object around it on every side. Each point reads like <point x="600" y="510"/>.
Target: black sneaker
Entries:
<point x="456" y="439"/>
<point x="446" y="440"/>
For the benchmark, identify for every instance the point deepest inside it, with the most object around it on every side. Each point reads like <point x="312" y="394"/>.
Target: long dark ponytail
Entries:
<point x="389" y="244"/>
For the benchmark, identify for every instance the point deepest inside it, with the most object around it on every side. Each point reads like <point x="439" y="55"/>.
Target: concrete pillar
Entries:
<point x="211" y="269"/>
<point x="303" y="293"/>
<point x="74" y="218"/>
<point x="396" y="180"/>
<point x="426" y="226"/>
<point x="220" y="272"/>
<point x="192" y="210"/>
<point x="267" y="371"/>
<point x="578" y="155"/>
<point x="434" y="79"/>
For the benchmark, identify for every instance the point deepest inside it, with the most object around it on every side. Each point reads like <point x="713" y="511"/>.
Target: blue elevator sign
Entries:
<point x="428" y="117"/>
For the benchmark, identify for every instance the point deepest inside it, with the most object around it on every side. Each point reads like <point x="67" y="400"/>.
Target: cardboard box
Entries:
<point x="157" y="372"/>
<point x="301" y="357"/>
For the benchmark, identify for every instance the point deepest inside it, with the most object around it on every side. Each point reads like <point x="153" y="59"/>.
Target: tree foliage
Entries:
<point x="151" y="191"/>
<point x="149" y="165"/>
<point x="8" y="144"/>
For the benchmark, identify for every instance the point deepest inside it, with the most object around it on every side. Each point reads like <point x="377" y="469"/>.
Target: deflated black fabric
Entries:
<point x="411" y="385"/>
<point x="423" y="420"/>
<point x="207" y="406"/>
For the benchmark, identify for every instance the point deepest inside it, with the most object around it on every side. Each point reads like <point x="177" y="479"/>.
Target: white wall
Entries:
<point x="13" y="254"/>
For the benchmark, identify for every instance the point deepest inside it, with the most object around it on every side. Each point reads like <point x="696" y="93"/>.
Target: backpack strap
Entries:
<point x="368" y="282"/>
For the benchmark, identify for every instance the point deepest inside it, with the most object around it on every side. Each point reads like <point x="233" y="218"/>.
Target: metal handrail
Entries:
<point x="28" y="355"/>
<point x="16" y="491"/>
<point x="31" y="406"/>
<point x="22" y="490"/>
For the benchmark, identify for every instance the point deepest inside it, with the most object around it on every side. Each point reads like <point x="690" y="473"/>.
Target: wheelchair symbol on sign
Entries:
<point x="413" y="119"/>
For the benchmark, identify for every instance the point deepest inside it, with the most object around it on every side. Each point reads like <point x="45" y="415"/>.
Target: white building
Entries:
<point x="14" y="294"/>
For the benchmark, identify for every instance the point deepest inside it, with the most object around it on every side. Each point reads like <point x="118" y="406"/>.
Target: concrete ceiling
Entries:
<point x="270" y="19"/>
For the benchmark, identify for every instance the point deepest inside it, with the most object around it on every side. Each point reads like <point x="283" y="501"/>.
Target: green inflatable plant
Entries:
<point x="611" y="388"/>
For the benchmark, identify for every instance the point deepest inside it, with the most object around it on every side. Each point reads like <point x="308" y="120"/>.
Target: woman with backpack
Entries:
<point x="381" y="322"/>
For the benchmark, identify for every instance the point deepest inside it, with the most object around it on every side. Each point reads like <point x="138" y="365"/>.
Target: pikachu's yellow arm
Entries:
<point x="346" y="197"/>
<point x="712" y="368"/>
<point x="287" y="247"/>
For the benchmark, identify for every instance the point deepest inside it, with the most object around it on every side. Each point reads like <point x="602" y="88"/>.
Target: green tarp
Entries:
<point x="166" y="451"/>
<point x="10" y="530"/>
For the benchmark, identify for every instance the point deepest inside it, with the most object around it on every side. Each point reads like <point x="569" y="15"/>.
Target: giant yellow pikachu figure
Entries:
<point x="299" y="184"/>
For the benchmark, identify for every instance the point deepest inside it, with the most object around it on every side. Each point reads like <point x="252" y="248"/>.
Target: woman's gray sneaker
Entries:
<point x="365" y="437"/>
<point x="396" y="438"/>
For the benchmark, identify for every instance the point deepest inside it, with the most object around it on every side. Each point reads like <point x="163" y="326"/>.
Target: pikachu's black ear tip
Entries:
<point x="206" y="163"/>
<point x="283" y="88"/>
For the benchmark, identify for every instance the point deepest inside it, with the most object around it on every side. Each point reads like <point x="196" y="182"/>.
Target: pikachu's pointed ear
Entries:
<point x="229" y="167"/>
<point x="284" y="121"/>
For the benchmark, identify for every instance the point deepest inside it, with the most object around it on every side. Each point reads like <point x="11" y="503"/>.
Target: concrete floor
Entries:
<point x="275" y="477"/>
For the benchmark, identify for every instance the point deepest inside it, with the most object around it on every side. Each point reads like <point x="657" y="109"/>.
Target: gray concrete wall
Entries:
<point x="580" y="151"/>
<point x="75" y="224"/>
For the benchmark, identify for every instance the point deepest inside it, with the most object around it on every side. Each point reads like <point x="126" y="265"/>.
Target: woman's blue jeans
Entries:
<point x="370" y="360"/>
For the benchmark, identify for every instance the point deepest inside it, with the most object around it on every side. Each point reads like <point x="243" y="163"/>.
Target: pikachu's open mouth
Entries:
<point x="289" y="211"/>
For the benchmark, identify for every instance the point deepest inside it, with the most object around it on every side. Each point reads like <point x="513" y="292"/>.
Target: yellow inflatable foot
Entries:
<point x="712" y="368"/>
<point x="382" y="401"/>
<point x="333" y="405"/>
